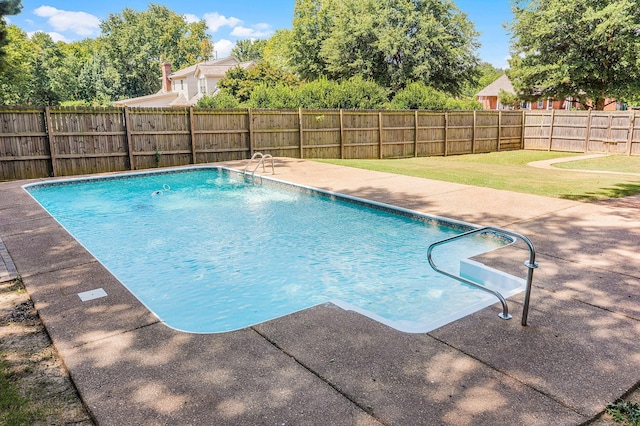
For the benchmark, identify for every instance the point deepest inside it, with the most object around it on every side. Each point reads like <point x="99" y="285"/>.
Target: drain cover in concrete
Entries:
<point x="92" y="294"/>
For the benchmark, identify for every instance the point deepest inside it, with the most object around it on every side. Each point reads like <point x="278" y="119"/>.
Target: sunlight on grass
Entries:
<point x="508" y="170"/>
<point x="612" y="163"/>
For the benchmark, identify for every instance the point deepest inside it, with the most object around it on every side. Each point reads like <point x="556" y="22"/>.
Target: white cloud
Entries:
<point x="260" y="30"/>
<point x="215" y="21"/>
<point x="191" y="19"/>
<point x="223" y="48"/>
<point x="80" y="23"/>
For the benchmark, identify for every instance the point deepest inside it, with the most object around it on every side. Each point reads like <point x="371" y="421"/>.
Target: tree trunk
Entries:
<point x="599" y="104"/>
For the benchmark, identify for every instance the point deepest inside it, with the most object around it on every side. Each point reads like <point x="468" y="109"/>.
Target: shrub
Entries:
<point x="358" y="93"/>
<point x="320" y="93"/>
<point x="222" y="99"/>
<point x="278" y="96"/>
<point x="419" y="96"/>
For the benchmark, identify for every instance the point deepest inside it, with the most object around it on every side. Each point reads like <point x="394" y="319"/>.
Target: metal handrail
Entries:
<point x="260" y="162"/>
<point x="530" y="264"/>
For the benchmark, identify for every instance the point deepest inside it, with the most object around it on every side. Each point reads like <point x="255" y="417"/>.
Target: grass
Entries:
<point x="625" y="412"/>
<point x="617" y="163"/>
<point x="508" y="170"/>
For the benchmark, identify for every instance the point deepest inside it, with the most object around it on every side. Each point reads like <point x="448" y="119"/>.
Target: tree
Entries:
<point x="240" y="82"/>
<point x="584" y="49"/>
<point x="7" y="7"/>
<point x="393" y="42"/>
<point x="136" y="43"/>
<point x="311" y="27"/>
<point x="277" y="50"/>
<point x="249" y="50"/>
<point x="16" y="76"/>
<point x="509" y="99"/>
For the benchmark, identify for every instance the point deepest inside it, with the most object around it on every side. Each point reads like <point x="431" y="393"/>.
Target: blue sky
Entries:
<point x="228" y="21"/>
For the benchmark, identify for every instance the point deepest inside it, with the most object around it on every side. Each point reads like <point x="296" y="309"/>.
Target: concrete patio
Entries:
<point x="327" y="366"/>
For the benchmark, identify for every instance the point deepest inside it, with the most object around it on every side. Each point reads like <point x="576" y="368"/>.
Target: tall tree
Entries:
<point x="136" y="43"/>
<point x="7" y="7"/>
<point x="393" y="42"/>
<point x="249" y="50"/>
<point x="312" y="22"/>
<point x="16" y="76"/>
<point x="584" y="49"/>
<point x="277" y="50"/>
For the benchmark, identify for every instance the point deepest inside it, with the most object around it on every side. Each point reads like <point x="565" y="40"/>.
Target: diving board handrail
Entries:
<point x="261" y="159"/>
<point x="530" y="264"/>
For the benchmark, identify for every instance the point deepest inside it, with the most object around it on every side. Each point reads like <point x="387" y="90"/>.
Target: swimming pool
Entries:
<point x="208" y="252"/>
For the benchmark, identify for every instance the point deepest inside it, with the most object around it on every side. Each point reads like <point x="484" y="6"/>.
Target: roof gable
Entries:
<point x="502" y="83"/>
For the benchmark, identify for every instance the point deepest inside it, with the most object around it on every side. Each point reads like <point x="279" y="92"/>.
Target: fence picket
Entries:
<point x="38" y="142"/>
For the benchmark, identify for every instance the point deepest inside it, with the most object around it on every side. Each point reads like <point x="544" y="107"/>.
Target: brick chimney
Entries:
<point x="166" y="72"/>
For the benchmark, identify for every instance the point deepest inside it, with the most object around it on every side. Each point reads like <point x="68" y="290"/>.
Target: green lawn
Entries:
<point x="612" y="163"/>
<point x="508" y="170"/>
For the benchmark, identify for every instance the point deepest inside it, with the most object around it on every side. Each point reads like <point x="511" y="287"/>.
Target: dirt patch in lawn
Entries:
<point x="31" y="366"/>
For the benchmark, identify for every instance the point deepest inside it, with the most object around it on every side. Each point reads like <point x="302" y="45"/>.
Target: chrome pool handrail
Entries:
<point x="260" y="162"/>
<point x="530" y="264"/>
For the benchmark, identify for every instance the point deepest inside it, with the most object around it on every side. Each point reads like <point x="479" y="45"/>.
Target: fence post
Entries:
<point x="553" y="114"/>
<point x="446" y="133"/>
<point x="301" y="132"/>
<point x="380" y="135"/>
<point x="632" y="126"/>
<point x="415" y="139"/>
<point x="499" y="130"/>
<point x="50" y="137"/>
<point x="250" y="115"/>
<point x="194" y="158"/>
<point x="588" y="135"/>
<point x="473" y="132"/>
<point x="127" y="128"/>
<point x="522" y="129"/>
<point x="341" y="135"/>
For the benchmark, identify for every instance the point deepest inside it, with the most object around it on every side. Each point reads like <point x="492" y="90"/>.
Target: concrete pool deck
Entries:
<point x="324" y="365"/>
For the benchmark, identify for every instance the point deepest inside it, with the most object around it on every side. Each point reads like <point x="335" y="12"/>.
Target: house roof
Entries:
<point x="219" y="70"/>
<point x="149" y="100"/>
<point x="502" y="83"/>
<point x="210" y="69"/>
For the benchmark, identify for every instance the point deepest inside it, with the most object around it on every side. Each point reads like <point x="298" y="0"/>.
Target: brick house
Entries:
<point x="488" y="97"/>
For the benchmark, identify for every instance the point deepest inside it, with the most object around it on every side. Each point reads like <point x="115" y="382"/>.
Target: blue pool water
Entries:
<point x="208" y="252"/>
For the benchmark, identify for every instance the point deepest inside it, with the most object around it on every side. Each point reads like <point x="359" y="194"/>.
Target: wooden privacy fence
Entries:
<point x="610" y="132"/>
<point x="52" y="141"/>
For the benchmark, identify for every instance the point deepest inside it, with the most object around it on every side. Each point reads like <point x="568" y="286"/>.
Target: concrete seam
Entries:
<point x="319" y="376"/>
<point x="551" y="397"/>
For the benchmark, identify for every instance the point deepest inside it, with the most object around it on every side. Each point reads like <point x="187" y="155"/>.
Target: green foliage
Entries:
<point x="358" y="93"/>
<point x="7" y="7"/>
<point x="312" y="22"/>
<point x="136" y="43"/>
<point x="585" y="49"/>
<point x="509" y="99"/>
<point x="392" y="43"/>
<point x="16" y="77"/>
<point x="625" y="412"/>
<point x="273" y="96"/>
<point x="249" y="50"/>
<point x="123" y="62"/>
<point x="321" y="93"/>
<point x="240" y="82"/>
<point x="276" y="50"/>
<point x="420" y="96"/>
<point x="221" y="99"/>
